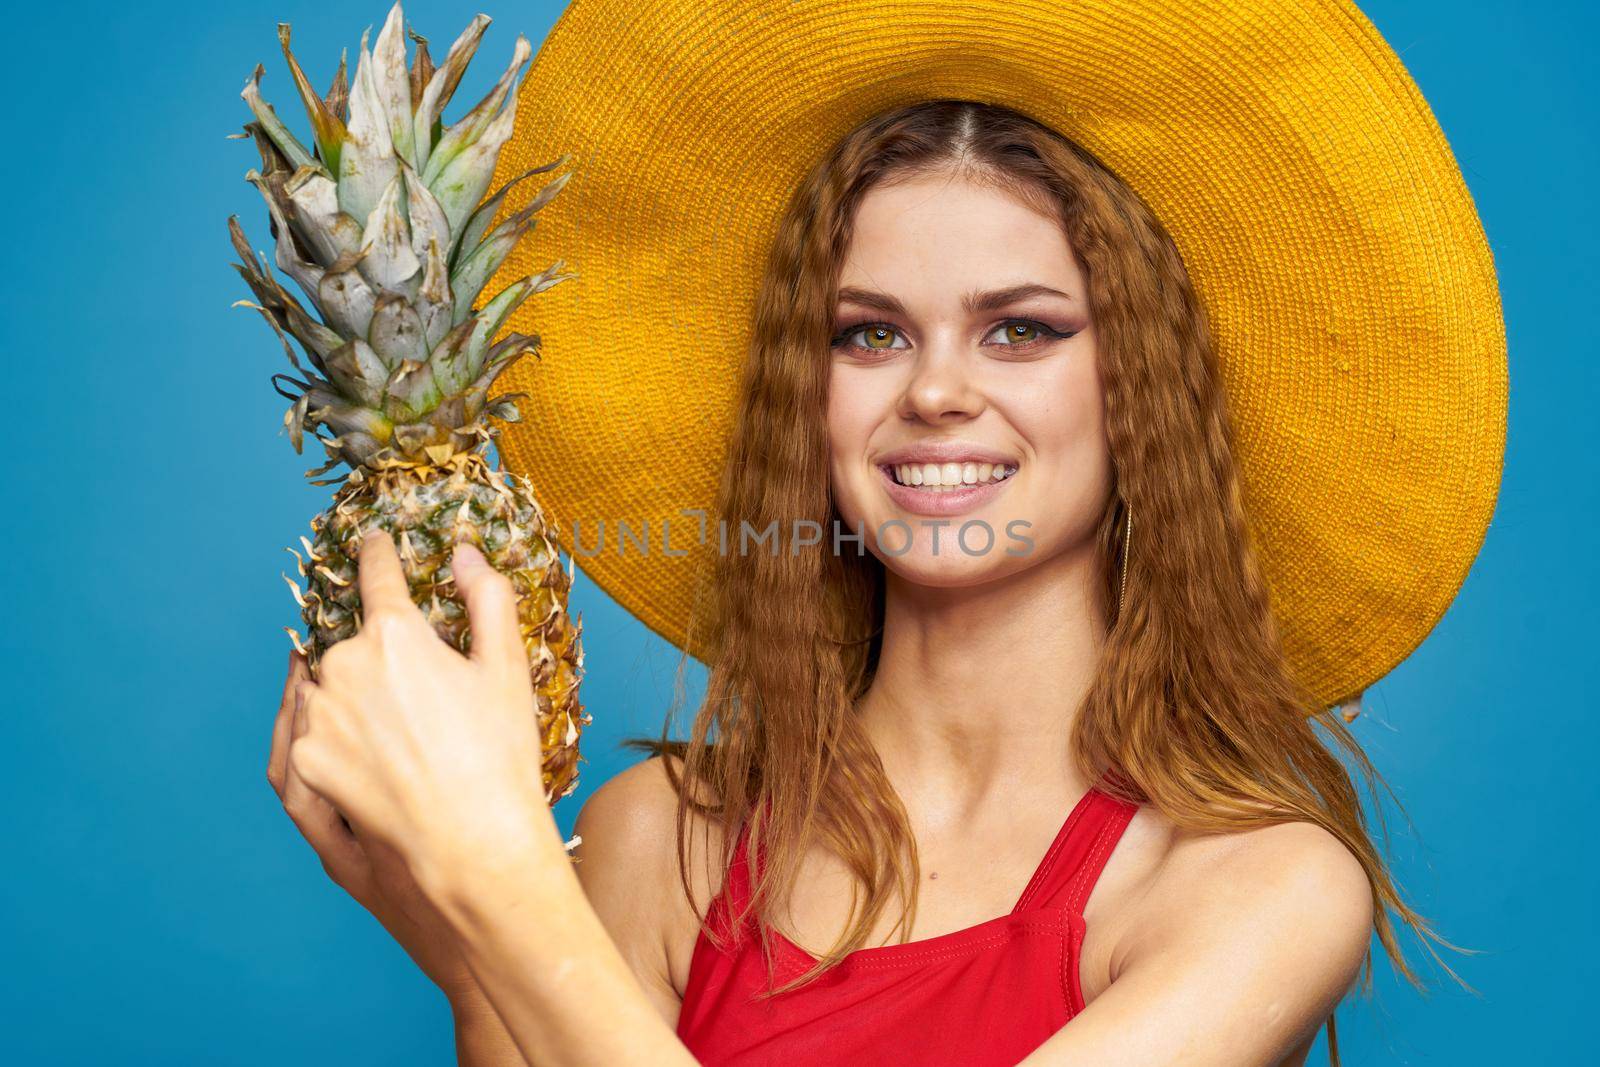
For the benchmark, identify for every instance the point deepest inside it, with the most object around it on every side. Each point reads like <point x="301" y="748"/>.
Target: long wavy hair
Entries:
<point x="1192" y="705"/>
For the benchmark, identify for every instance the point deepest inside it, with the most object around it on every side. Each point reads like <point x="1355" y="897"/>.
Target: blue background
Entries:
<point x="159" y="907"/>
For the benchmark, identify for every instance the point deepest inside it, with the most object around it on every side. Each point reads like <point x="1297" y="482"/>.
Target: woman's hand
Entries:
<point x="374" y="875"/>
<point x="438" y="756"/>
<point x="432" y="754"/>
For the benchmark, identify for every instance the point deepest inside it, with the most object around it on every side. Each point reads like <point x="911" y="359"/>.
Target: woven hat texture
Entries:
<point x="1310" y="191"/>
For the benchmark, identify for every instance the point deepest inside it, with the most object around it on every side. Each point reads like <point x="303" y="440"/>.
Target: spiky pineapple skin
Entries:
<point x="427" y="508"/>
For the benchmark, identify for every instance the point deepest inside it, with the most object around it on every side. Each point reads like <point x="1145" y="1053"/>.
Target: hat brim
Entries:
<point x="1314" y="199"/>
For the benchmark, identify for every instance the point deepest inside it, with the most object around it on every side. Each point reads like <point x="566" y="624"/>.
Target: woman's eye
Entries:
<point x="874" y="336"/>
<point x="881" y="337"/>
<point x="1018" y="332"/>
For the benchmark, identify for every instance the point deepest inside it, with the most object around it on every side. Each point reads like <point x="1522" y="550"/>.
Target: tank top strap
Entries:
<point x="738" y="882"/>
<point x="1069" y="870"/>
<point x="730" y="899"/>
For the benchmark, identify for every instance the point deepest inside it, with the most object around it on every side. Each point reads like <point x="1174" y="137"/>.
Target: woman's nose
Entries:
<point x="941" y="385"/>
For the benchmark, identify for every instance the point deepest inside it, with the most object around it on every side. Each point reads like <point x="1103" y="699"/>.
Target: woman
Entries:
<point x="1099" y="729"/>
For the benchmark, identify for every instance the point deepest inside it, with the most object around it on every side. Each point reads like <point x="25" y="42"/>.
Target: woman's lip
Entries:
<point x="955" y="502"/>
<point x="939" y="457"/>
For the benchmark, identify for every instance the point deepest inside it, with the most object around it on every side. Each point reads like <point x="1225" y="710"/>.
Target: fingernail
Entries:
<point x="468" y="556"/>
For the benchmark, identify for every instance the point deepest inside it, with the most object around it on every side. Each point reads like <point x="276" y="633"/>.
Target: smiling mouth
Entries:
<point x="947" y="477"/>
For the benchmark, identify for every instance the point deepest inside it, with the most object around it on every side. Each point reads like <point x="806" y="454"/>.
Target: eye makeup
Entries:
<point x="1045" y="335"/>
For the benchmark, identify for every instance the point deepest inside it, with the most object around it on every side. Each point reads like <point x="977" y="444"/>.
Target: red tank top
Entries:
<point x="985" y="996"/>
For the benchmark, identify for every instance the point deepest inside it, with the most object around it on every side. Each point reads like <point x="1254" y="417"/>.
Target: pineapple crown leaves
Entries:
<point x="384" y="226"/>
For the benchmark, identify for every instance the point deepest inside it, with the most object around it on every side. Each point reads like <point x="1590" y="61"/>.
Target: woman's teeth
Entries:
<point x="944" y="477"/>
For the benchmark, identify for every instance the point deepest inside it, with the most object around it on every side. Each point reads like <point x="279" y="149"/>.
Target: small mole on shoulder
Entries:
<point x="932" y="875"/>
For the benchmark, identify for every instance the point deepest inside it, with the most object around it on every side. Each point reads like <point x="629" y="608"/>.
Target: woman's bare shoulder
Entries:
<point x="1284" y="911"/>
<point x="628" y="865"/>
<point x="1290" y="896"/>
<point x="1260" y="863"/>
<point x="1185" y="874"/>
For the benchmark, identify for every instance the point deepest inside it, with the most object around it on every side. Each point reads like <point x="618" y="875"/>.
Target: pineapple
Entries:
<point x="382" y="228"/>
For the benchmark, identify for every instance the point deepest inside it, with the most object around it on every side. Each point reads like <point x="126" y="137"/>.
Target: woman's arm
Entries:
<point x="1257" y="941"/>
<point x="380" y="883"/>
<point x="482" y="1039"/>
<point x="627" y="865"/>
<point x="546" y="962"/>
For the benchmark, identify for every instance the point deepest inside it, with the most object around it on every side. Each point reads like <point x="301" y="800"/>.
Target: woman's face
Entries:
<point x="963" y="349"/>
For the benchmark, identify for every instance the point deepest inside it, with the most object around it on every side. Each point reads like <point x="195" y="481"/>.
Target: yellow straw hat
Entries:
<point x="1316" y="204"/>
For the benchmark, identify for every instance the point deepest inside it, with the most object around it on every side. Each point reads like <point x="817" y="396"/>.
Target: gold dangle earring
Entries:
<point x="1127" y="539"/>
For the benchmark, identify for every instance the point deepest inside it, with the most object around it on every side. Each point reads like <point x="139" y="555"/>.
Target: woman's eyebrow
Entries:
<point x="999" y="298"/>
<point x="985" y="300"/>
<point x="874" y="300"/>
